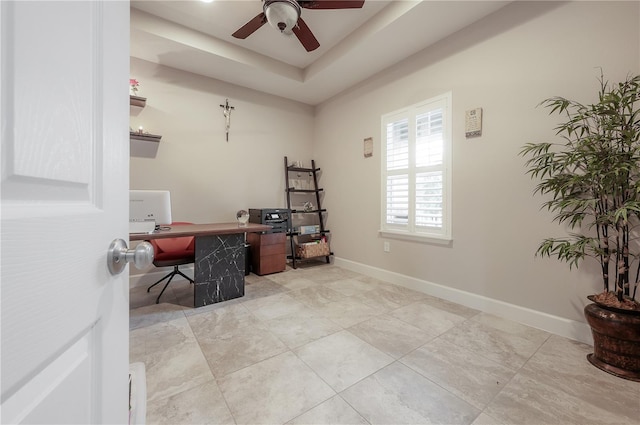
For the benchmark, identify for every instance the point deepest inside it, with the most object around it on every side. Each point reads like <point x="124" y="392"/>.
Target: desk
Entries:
<point x="220" y="257"/>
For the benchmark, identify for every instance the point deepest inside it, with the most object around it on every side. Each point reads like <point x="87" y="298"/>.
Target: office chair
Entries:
<point x="173" y="252"/>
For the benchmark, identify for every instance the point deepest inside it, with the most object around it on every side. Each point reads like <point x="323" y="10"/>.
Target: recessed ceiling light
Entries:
<point x="206" y="1"/>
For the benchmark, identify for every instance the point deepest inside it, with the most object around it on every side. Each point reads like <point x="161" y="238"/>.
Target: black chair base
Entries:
<point x="169" y="276"/>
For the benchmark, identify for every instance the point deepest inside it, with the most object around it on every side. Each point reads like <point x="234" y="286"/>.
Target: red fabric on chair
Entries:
<point x="172" y="249"/>
<point x="173" y="252"/>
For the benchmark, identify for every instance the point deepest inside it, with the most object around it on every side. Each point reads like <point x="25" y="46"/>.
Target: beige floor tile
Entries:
<point x="252" y="278"/>
<point x="152" y="314"/>
<point x="200" y="405"/>
<point x="260" y="287"/>
<point x="504" y="347"/>
<point x="274" y="306"/>
<point x="464" y="373"/>
<point x="287" y="276"/>
<point x="397" y="289"/>
<point x="172" y="357"/>
<point x="316" y="296"/>
<point x="430" y="319"/>
<point x="324" y="273"/>
<point x="334" y="411"/>
<point x="390" y="335"/>
<point x="373" y="281"/>
<point x="221" y="320"/>
<point x="342" y="359"/>
<point x="298" y="329"/>
<point x="484" y="419"/>
<point x="347" y="312"/>
<point x="451" y="307"/>
<point x="273" y="391"/>
<point x="399" y="395"/>
<point x="510" y="327"/>
<point x="562" y="363"/>
<point x="390" y="298"/>
<point x="528" y="401"/>
<point x="349" y="287"/>
<point x="297" y="283"/>
<point x="240" y="348"/>
<point x="183" y="291"/>
<point x="467" y="361"/>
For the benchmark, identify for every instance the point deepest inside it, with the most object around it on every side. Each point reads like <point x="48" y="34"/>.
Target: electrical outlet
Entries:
<point x="387" y="247"/>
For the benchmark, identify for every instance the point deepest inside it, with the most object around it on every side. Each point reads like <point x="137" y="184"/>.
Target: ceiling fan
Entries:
<point x="285" y="16"/>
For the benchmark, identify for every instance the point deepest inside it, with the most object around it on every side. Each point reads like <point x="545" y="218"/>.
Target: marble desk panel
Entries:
<point x="219" y="268"/>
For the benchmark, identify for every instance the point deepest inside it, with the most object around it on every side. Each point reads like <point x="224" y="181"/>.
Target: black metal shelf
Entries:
<point x="308" y="212"/>
<point x="296" y="238"/>
<point x="294" y="169"/>
<point x="320" y="233"/>
<point x="292" y="189"/>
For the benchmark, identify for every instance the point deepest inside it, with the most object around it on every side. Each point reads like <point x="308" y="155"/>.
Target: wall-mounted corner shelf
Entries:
<point x="137" y="101"/>
<point x="144" y="137"/>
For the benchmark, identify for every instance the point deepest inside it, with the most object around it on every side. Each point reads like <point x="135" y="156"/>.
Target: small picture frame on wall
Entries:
<point x="368" y="147"/>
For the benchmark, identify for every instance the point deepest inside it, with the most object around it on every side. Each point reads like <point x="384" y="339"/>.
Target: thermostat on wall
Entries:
<point x="473" y="123"/>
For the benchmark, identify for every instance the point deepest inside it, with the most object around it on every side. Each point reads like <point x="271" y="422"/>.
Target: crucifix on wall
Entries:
<point x="227" y="116"/>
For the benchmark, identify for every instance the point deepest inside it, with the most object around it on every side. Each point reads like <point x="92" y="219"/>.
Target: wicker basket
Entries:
<point x="313" y="249"/>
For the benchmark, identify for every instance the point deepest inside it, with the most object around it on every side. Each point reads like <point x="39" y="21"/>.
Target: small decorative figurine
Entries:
<point x="243" y="217"/>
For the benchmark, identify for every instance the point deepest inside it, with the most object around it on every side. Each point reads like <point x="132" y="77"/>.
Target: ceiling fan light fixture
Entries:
<point x="282" y="14"/>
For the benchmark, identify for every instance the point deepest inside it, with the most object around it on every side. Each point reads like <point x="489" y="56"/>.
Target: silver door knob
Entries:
<point x="118" y="256"/>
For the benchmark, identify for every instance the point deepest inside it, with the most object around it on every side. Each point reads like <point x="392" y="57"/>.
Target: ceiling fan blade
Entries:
<point x="250" y="27"/>
<point x="331" y="4"/>
<point x="306" y="37"/>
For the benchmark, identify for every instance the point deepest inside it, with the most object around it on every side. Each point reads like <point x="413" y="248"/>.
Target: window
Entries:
<point x="416" y="156"/>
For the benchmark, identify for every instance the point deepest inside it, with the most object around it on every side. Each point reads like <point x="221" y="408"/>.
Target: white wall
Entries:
<point x="210" y="179"/>
<point x="507" y="63"/>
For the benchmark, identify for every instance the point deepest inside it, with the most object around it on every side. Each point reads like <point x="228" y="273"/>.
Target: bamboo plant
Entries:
<point x="592" y="180"/>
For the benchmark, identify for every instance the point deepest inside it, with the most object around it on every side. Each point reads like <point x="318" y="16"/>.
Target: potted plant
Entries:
<point x="592" y="181"/>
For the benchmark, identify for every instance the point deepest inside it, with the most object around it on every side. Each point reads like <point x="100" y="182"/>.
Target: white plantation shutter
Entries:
<point x="415" y="170"/>
<point x="429" y="143"/>
<point x="429" y="199"/>
<point x="398" y="199"/>
<point x="398" y="145"/>
<point x="397" y="165"/>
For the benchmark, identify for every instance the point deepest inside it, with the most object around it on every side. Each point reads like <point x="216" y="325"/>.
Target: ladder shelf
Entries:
<point x="304" y="202"/>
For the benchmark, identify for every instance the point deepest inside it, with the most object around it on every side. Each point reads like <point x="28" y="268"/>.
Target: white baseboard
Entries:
<point x="567" y="328"/>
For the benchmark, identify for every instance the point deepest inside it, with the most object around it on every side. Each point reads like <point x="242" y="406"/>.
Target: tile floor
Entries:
<point x="324" y="345"/>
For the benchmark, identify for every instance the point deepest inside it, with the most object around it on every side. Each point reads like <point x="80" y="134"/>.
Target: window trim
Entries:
<point x="442" y="235"/>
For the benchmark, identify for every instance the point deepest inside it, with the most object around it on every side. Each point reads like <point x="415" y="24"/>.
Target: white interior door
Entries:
<point x="65" y="156"/>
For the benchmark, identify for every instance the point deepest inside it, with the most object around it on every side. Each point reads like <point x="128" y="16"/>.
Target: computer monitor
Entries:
<point x="147" y="205"/>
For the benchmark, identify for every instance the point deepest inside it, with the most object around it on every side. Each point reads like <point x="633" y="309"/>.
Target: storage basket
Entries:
<point x="313" y="249"/>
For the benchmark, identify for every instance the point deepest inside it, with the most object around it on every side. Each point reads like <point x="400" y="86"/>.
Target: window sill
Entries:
<point x="431" y="239"/>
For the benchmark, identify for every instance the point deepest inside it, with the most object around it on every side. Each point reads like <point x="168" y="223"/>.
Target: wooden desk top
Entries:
<point x="200" y="230"/>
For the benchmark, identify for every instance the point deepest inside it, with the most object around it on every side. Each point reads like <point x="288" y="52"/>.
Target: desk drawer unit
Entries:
<point x="268" y="252"/>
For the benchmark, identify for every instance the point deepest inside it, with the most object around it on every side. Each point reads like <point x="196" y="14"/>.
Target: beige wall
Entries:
<point x="210" y="179"/>
<point x="506" y="64"/>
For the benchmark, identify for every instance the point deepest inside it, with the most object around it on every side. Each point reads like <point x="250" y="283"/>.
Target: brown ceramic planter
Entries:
<point x="616" y="341"/>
